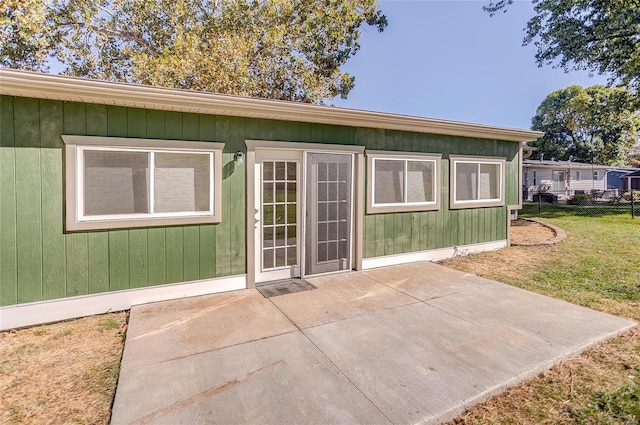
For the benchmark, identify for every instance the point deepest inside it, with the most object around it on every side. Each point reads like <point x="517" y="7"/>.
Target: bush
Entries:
<point x="627" y="195"/>
<point x="579" y="199"/>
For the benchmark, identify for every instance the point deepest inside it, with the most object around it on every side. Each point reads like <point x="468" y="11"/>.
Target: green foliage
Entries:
<point x="579" y="199"/>
<point x="627" y="196"/>
<point x="598" y="124"/>
<point x="279" y="49"/>
<point x="111" y="324"/>
<point x="596" y="35"/>
<point x="62" y="334"/>
<point x="592" y="267"/>
<point x="23" y="44"/>
<point x="633" y="160"/>
<point x="622" y="406"/>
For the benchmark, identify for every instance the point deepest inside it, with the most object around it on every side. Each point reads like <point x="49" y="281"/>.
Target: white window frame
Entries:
<point x="76" y="146"/>
<point x="376" y="208"/>
<point x="596" y="175"/>
<point x="477" y="203"/>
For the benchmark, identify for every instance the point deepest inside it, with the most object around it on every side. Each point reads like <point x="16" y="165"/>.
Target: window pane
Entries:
<point x="116" y="182"/>
<point x="267" y="171"/>
<point x="489" y="180"/>
<point x="280" y="170"/>
<point x="420" y="181"/>
<point x="291" y="171"/>
<point x="182" y="182"/>
<point x="466" y="181"/>
<point x="389" y="181"/>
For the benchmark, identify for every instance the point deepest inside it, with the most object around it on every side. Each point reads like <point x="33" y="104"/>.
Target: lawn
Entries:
<point x="66" y="373"/>
<point x="597" y="266"/>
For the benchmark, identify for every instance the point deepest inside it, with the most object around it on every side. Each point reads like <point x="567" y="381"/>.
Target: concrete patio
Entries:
<point x="407" y="344"/>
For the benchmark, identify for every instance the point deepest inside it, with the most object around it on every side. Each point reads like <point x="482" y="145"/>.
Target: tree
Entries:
<point x="279" y="49"/>
<point x="597" y="124"/>
<point x="596" y="35"/>
<point x="633" y="160"/>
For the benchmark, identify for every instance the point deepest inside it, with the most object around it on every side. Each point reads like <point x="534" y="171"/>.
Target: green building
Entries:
<point x="115" y="194"/>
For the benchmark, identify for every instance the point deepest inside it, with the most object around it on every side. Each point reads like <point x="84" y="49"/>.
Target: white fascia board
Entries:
<point x="48" y="86"/>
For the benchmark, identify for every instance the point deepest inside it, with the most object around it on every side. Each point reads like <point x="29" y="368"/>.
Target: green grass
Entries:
<point x="598" y="266"/>
<point x="598" y="262"/>
<point x="111" y="324"/>
<point x="618" y="407"/>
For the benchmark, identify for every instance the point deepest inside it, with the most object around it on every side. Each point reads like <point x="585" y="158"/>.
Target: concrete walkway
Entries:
<point x="406" y="344"/>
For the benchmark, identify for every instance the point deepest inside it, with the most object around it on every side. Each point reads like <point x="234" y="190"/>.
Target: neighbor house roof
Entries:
<point x="48" y="86"/>
<point x="563" y="165"/>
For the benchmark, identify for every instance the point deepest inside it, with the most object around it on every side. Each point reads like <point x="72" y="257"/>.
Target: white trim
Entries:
<point x="48" y="86"/>
<point x="455" y="203"/>
<point x="405" y="158"/>
<point x="75" y="147"/>
<point x="432" y="255"/>
<point x="22" y="315"/>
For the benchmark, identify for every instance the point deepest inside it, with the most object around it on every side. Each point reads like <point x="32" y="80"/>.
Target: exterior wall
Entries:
<point x="586" y="182"/>
<point x="544" y="176"/>
<point x="397" y="233"/>
<point x="39" y="261"/>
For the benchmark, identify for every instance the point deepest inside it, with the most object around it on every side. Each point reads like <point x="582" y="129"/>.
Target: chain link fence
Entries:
<point x="593" y="202"/>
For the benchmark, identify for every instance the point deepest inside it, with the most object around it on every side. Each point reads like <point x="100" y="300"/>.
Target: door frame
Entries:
<point x="358" y="194"/>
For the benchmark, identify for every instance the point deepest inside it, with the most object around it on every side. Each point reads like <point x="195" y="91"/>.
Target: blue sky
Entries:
<point x="451" y="60"/>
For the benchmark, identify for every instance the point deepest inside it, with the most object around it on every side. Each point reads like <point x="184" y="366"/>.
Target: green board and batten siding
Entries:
<point x="38" y="261"/>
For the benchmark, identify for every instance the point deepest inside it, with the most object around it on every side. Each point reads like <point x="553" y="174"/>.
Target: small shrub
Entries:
<point x="627" y="196"/>
<point x="62" y="334"/>
<point x="111" y="324"/>
<point x="579" y="199"/>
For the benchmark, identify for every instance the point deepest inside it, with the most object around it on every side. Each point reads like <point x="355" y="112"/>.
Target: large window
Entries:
<point x="477" y="182"/>
<point x="402" y="182"/>
<point x="115" y="182"/>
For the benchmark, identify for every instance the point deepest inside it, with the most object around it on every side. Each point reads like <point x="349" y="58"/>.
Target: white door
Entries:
<point x="303" y="219"/>
<point x="277" y="213"/>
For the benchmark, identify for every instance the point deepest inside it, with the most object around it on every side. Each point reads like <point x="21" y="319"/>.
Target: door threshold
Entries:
<point x="283" y="287"/>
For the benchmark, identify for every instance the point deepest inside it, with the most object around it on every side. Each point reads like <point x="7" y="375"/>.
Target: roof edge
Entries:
<point x="49" y="86"/>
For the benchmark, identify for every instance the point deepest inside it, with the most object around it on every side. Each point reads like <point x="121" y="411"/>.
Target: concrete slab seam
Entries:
<point x="225" y="346"/>
<point x="333" y="363"/>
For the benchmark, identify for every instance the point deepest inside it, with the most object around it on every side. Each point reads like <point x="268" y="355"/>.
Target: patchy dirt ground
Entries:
<point x="525" y="231"/>
<point x="63" y="373"/>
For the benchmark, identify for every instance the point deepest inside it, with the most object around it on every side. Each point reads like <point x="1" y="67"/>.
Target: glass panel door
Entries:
<point x="558" y="182"/>
<point x="277" y="215"/>
<point x="329" y="212"/>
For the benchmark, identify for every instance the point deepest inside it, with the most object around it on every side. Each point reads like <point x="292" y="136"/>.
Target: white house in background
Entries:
<point x="562" y="178"/>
